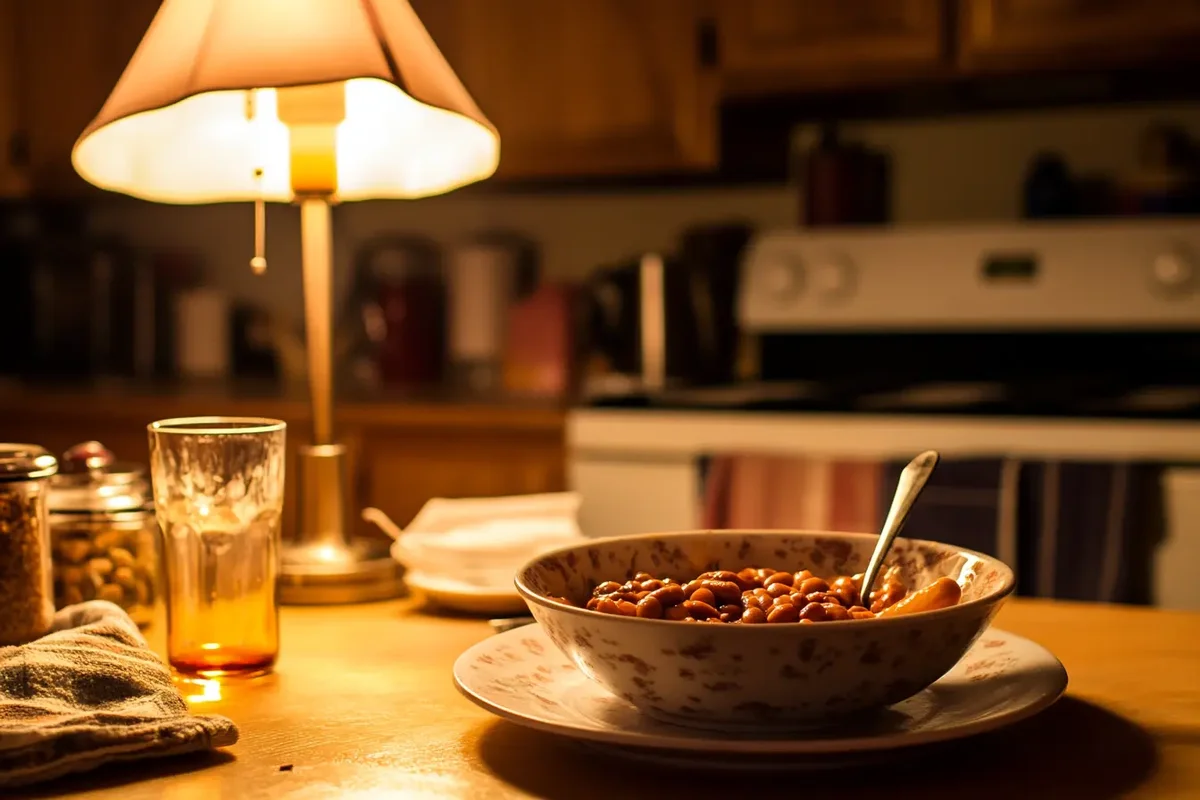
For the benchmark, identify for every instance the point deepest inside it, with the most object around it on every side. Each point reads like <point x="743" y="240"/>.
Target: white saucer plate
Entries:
<point x="521" y="676"/>
<point x="466" y="597"/>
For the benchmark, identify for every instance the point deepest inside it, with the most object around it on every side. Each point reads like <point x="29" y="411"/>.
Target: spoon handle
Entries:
<point x="383" y="521"/>
<point x="912" y="480"/>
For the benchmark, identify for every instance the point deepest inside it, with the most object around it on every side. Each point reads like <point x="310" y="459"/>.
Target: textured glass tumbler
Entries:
<point x="218" y="495"/>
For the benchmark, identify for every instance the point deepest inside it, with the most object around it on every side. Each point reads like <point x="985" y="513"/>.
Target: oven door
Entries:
<point x="645" y="471"/>
<point x="1175" y="584"/>
<point x="629" y="492"/>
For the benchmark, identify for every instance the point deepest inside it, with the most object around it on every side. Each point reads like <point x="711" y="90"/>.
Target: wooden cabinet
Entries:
<point x="12" y="177"/>
<point x="600" y="88"/>
<point x="399" y="470"/>
<point x="579" y="88"/>
<point x="72" y="53"/>
<point x="1029" y="34"/>
<point x="781" y="45"/>
<point x="585" y="87"/>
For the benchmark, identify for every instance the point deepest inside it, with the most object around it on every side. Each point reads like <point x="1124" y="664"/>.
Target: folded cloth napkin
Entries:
<point x="88" y="693"/>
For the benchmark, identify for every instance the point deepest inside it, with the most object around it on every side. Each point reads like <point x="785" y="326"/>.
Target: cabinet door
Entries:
<point x="400" y="471"/>
<point x="1035" y="33"/>
<point x="584" y="87"/>
<point x="11" y="178"/>
<point x="74" y="52"/>
<point x="777" y="45"/>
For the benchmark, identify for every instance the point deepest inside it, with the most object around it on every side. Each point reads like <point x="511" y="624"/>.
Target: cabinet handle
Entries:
<point x="18" y="149"/>
<point x="707" y="46"/>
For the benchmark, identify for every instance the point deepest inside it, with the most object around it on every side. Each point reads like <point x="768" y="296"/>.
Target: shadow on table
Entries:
<point x="121" y="773"/>
<point x="1073" y="748"/>
<point x="429" y="608"/>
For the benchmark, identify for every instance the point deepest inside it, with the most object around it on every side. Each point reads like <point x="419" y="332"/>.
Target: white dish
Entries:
<point x="482" y="540"/>
<point x="489" y="552"/>
<point x="521" y="676"/>
<point x="469" y="598"/>
<point x="715" y="676"/>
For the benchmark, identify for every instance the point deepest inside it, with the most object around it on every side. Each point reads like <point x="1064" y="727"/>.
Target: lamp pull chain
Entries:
<point x="258" y="264"/>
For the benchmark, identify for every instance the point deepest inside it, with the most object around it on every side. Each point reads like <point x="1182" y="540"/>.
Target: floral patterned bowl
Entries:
<point x="731" y="676"/>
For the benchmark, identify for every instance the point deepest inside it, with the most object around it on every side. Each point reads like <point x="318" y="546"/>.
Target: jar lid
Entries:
<point x="92" y="480"/>
<point x="23" y="462"/>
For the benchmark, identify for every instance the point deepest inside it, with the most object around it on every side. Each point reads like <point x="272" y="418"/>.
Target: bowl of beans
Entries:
<point x="730" y="629"/>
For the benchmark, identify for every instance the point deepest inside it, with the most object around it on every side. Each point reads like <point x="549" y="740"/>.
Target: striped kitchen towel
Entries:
<point x="757" y="491"/>
<point x="88" y="693"/>
<point x="1089" y="530"/>
<point x="1069" y="529"/>
<point x="968" y="502"/>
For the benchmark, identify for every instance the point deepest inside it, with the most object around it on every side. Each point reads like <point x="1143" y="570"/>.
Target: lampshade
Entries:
<point x="232" y="100"/>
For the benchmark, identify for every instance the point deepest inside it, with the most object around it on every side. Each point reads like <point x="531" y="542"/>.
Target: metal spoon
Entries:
<point x="908" y="488"/>
<point x="383" y="522"/>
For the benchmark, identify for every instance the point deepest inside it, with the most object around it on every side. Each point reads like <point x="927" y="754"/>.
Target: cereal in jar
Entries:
<point x="26" y="599"/>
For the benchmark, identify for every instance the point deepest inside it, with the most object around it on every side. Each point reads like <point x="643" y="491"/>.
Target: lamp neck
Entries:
<point x="316" y="242"/>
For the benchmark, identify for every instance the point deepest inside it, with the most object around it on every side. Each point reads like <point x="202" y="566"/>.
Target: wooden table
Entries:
<point x="363" y="706"/>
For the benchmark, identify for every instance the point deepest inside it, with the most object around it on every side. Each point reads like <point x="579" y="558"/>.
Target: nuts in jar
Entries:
<point x="103" y="533"/>
<point x="26" y="603"/>
<point x="105" y="561"/>
<point x="755" y="596"/>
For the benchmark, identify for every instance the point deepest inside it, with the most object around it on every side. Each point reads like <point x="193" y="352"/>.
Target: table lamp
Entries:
<point x="305" y="101"/>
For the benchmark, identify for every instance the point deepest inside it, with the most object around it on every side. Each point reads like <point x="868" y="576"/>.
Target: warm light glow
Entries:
<point x="390" y="145"/>
<point x="209" y="690"/>
<point x="194" y="117"/>
<point x="210" y="646"/>
<point x="204" y="149"/>
<point x="327" y="554"/>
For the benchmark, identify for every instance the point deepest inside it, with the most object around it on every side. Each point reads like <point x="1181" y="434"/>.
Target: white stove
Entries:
<point x="1047" y="343"/>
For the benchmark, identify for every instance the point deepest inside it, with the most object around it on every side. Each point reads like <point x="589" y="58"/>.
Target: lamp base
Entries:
<point x="321" y="565"/>
<point x="364" y="572"/>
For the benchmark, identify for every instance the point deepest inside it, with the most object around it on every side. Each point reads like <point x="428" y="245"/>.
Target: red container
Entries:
<point x="412" y="352"/>
<point x="540" y="346"/>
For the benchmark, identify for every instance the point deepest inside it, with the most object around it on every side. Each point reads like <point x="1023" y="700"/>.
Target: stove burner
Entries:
<point x="931" y="396"/>
<point x="1060" y="397"/>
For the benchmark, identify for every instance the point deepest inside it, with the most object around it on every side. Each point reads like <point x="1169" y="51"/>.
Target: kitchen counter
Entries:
<point x="363" y="705"/>
<point x="401" y="448"/>
<point x="353" y="405"/>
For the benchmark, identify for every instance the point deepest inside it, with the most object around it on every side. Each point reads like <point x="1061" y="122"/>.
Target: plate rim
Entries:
<point x="764" y="746"/>
<point x="469" y="600"/>
<point x="446" y="586"/>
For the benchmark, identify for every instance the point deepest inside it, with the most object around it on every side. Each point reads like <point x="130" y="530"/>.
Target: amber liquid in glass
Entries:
<point x="222" y="611"/>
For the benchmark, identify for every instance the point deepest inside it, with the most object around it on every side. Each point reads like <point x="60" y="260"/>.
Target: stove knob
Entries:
<point x="833" y="280"/>
<point x="782" y="278"/>
<point x="1173" y="273"/>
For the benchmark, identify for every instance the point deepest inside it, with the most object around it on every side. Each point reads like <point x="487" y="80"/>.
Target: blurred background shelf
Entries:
<point x="619" y="88"/>
<point x="402" y="450"/>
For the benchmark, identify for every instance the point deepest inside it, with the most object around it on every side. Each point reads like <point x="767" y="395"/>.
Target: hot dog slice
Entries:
<point x="942" y="593"/>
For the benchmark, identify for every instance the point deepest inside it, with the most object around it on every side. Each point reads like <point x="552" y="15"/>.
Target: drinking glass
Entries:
<point x="218" y="495"/>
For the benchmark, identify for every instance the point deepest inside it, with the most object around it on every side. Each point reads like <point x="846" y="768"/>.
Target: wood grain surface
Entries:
<point x="363" y="706"/>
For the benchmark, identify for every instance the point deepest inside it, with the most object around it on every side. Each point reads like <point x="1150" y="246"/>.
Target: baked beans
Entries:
<point x="755" y="596"/>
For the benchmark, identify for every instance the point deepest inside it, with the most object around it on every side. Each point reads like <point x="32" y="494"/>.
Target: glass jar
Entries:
<point x="103" y="532"/>
<point x="26" y="596"/>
